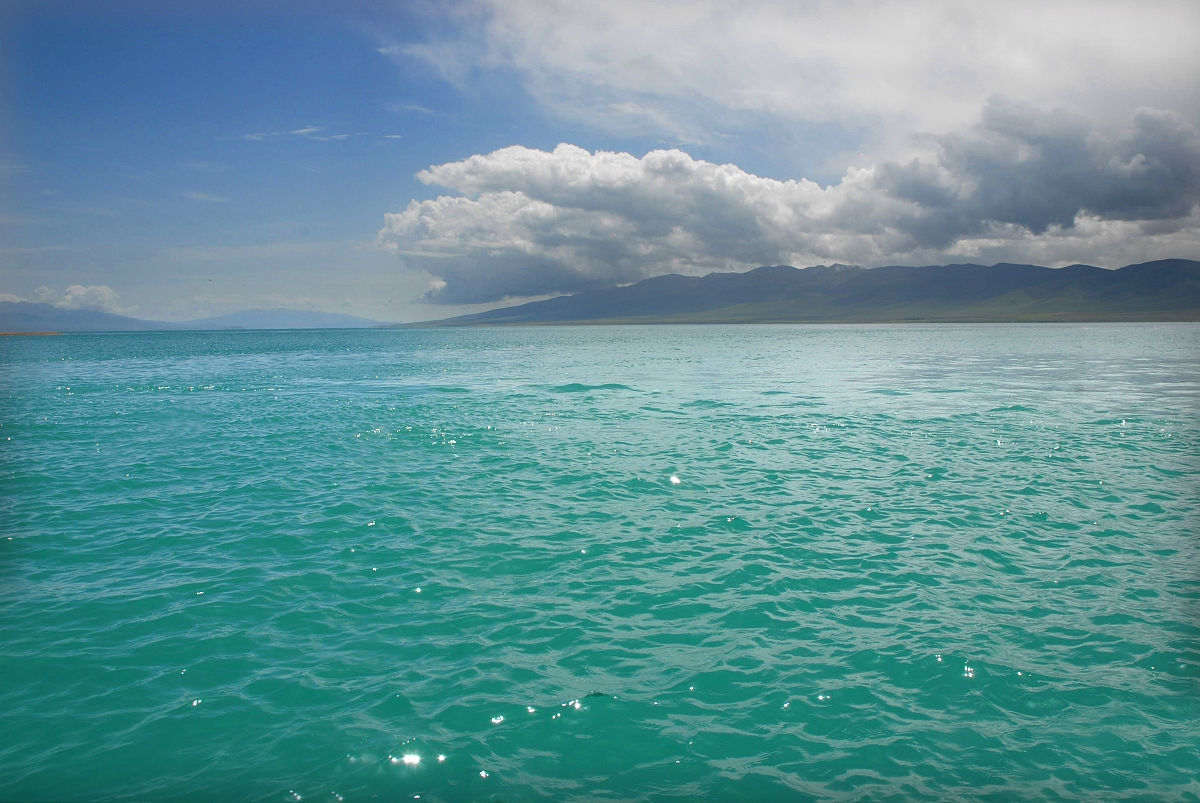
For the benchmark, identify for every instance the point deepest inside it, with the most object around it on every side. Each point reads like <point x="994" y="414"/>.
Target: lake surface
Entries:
<point x="610" y="563"/>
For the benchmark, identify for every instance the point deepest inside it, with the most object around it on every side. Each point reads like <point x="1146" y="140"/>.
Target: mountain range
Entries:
<point x="1164" y="290"/>
<point x="24" y="316"/>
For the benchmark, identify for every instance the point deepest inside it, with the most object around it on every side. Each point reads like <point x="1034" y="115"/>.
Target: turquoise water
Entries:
<point x="735" y="563"/>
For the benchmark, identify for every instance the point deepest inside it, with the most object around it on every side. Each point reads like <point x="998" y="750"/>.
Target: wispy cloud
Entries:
<point x="21" y="220"/>
<point x="91" y="211"/>
<point x="206" y="167"/>
<point x="310" y="132"/>
<point x="205" y="197"/>
<point x="32" y="250"/>
<point x="413" y="108"/>
<point x="883" y="70"/>
<point x="10" y="167"/>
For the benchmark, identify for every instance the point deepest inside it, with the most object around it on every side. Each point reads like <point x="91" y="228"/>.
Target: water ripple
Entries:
<point x="576" y="564"/>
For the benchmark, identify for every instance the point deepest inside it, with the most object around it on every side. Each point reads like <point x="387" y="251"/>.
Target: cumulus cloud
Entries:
<point x="1052" y="132"/>
<point x="526" y="222"/>
<point x="531" y="222"/>
<point x="77" y="296"/>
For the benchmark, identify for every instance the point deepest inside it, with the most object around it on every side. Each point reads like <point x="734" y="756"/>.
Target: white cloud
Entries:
<point x="316" y="132"/>
<point x="685" y="69"/>
<point x="531" y="222"/>
<point x="312" y="132"/>
<point x="9" y="297"/>
<point x="1056" y="132"/>
<point x="1021" y="184"/>
<point x="409" y="107"/>
<point x="77" y="296"/>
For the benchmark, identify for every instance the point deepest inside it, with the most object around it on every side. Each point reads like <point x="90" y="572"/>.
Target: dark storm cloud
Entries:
<point x="1039" y="169"/>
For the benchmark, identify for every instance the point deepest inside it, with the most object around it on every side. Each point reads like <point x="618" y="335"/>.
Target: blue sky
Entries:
<point x="413" y="160"/>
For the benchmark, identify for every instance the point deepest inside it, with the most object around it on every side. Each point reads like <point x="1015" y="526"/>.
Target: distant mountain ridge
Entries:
<point x="1163" y="290"/>
<point x="281" y="319"/>
<point x="27" y="316"/>
<point x="24" y="316"/>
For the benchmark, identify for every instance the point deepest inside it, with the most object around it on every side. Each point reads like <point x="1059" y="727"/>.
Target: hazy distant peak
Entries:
<point x="280" y="318"/>
<point x="840" y="266"/>
<point x="26" y="316"/>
